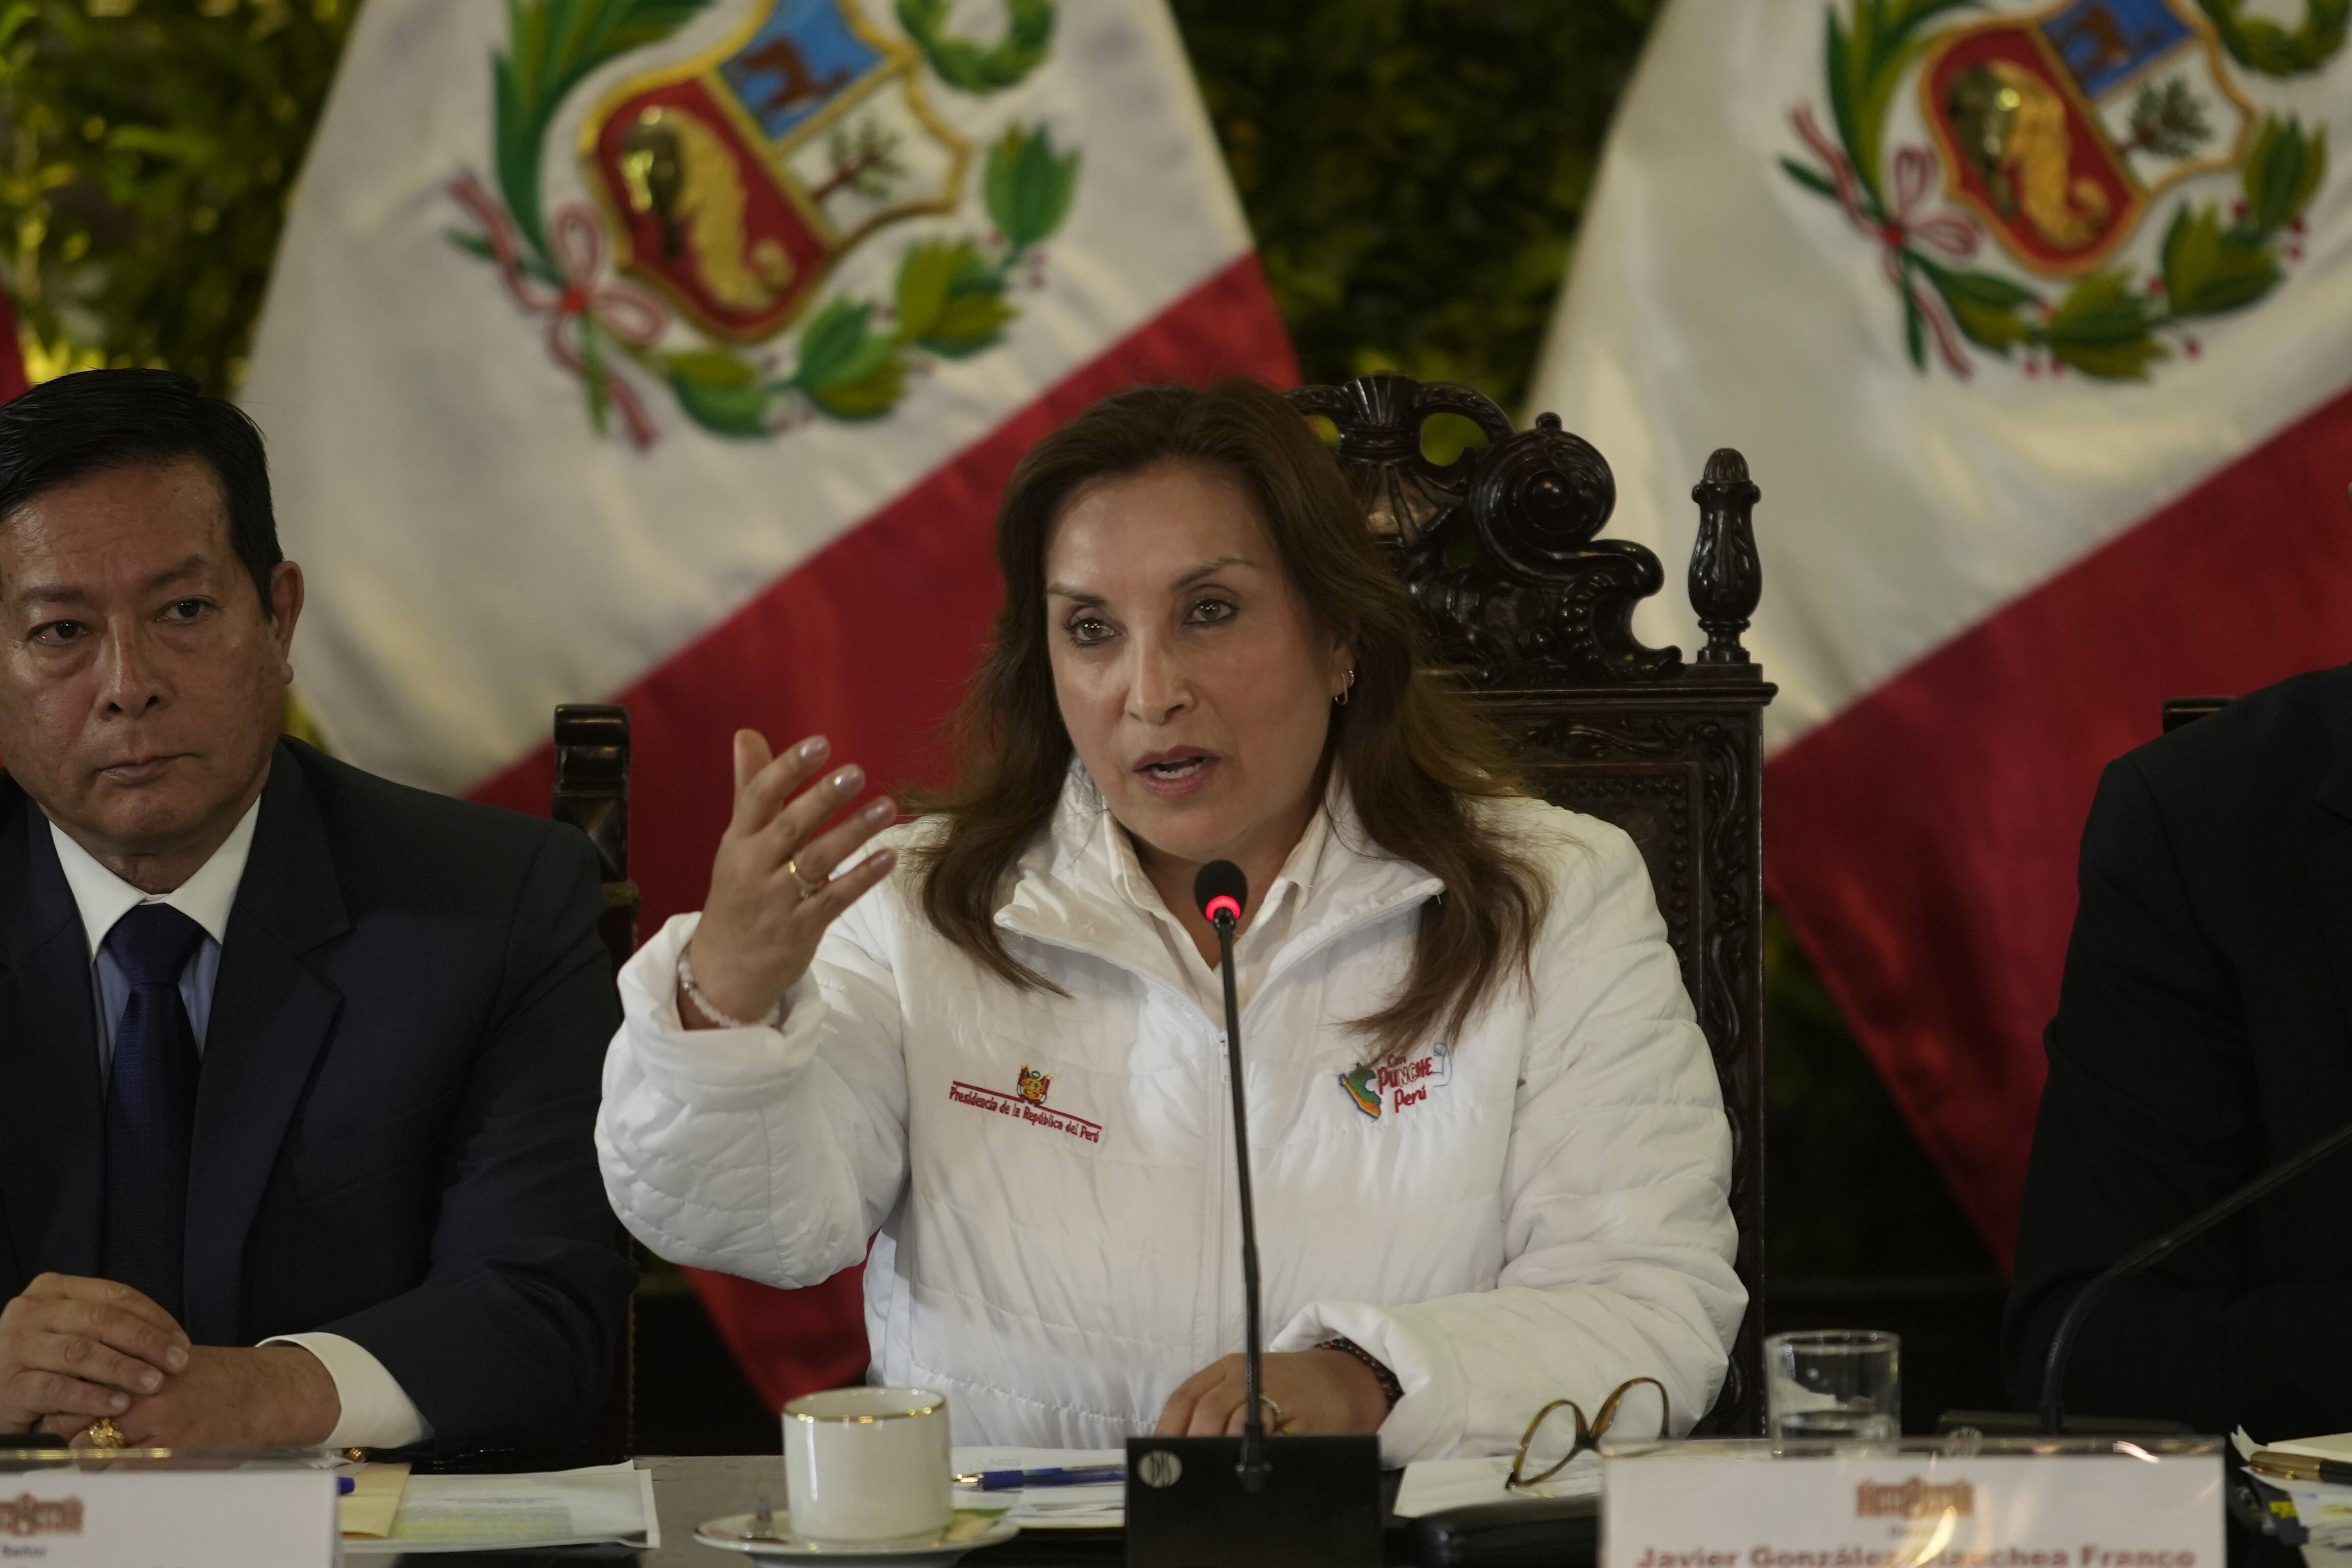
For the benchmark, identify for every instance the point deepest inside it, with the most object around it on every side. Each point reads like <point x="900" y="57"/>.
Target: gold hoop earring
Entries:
<point x="1342" y="700"/>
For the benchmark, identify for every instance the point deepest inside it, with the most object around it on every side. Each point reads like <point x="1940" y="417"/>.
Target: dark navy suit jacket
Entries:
<point x="2204" y="1031"/>
<point x="393" y="1138"/>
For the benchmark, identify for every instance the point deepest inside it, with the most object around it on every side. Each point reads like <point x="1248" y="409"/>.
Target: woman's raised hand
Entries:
<point x="772" y="891"/>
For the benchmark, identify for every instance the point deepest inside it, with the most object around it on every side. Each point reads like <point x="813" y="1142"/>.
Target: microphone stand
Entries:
<point x="1253" y="1469"/>
<point x="1192" y="1500"/>
<point x="2152" y="1252"/>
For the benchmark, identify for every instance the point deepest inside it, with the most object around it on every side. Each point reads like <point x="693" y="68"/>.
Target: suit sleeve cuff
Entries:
<point x="376" y="1412"/>
<point x="1429" y="1421"/>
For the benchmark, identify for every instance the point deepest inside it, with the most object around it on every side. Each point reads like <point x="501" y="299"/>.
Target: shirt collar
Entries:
<point x="1080" y="888"/>
<point x="1296" y="878"/>
<point x="102" y="897"/>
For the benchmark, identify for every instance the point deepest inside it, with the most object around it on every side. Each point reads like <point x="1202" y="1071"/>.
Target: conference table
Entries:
<point x="690" y="1489"/>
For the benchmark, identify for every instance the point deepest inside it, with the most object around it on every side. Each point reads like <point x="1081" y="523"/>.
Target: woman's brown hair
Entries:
<point x="1415" y="755"/>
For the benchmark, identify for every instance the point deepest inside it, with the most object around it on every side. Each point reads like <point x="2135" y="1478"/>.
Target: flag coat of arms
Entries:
<point x="673" y="353"/>
<point x="2035" y="318"/>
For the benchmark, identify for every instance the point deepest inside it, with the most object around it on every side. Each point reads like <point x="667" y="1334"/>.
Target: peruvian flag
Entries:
<point x="2035" y="320"/>
<point x="673" y="353"/>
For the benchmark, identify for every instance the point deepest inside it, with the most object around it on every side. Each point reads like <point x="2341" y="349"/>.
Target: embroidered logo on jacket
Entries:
<point x="1025" y="1103"/>
<point x="1372" y="1090"/>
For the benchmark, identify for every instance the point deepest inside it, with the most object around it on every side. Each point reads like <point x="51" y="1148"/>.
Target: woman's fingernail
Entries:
<point x="848" y="778"/>
<point x="119" y="1401"/>
<point x="878" y="811"/>
<point x="178" y="1356"/>
<point x="149" y="1382"/>
<point x="815" y="747"/>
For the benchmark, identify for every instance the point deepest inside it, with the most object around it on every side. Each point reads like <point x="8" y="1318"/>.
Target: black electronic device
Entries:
<point x="1524" y="1532"/>
<point x="1317" y="1504"/>
<point x="1252" y="1502"/>
<point x="2148" y="1254"/>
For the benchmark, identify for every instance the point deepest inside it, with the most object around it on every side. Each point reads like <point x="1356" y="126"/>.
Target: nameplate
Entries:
<point x="144" y="1518"/>
<point x="1738" y="1505"/>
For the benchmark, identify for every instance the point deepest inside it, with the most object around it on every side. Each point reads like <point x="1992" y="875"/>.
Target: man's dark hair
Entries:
<point x="95" y="420"/>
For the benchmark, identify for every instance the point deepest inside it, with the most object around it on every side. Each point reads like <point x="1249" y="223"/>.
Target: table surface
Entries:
<point x="689" y="1491"/>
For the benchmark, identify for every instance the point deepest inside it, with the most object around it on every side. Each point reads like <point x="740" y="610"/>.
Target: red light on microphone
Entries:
<point x="1219" y="892"/>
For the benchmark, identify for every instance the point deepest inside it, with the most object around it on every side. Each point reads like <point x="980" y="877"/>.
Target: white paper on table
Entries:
<point x="554" y="1507"/>
<point x="1100" y="1507"/>
<point x="2324" y="1510"/>
<point x="1433" y="1485"/>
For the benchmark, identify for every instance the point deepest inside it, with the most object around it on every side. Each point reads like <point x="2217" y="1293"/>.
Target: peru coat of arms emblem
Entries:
<point x="725" y="187"/>
<point x="2056" y="133"/>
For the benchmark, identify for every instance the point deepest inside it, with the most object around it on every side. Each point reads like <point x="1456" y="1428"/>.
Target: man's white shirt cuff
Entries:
<point x="377" y="1412"/>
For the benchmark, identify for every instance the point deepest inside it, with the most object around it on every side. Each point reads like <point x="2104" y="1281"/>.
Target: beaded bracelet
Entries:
<point x="724" y="1020"/>
<point x="1390" y="1389"/>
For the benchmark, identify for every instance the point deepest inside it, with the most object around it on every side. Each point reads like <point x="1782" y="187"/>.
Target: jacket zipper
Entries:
<point x="1218" y="1266"/>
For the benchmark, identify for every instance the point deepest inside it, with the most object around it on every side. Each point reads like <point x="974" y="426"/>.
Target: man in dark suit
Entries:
<point x="298" y="1067"/>
<point x="2204" y="1032"/>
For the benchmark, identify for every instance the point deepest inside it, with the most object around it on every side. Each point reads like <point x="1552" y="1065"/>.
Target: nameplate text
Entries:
<point x="1733" y="1505"/>
<point x="139" y="1516"/>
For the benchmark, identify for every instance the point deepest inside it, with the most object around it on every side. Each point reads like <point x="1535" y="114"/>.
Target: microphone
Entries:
<point x="1295" y="1500"/>
<point x="2155" y="1250"/>
<point x="1221" y="892"/>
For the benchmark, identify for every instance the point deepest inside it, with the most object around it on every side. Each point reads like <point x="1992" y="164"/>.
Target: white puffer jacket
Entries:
<point x="1539" y="1211"/>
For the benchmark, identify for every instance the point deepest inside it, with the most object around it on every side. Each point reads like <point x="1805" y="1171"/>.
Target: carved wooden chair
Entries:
<point x="2179" y="710"/>
<point x="591" y="793"/>
<point x="1534" y="613"/>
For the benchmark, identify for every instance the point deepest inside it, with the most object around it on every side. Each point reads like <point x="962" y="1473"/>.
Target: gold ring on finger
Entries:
<point x="104" y="1434"/>
<point x="808" y="890"/>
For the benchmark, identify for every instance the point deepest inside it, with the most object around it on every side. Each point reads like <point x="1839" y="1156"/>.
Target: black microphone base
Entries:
<point x="1319" y="1506"/>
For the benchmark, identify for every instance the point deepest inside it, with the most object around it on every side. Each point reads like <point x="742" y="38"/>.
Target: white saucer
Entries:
<point x="729" y="1534"/>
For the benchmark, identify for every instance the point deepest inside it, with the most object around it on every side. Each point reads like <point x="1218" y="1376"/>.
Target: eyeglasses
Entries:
<point x="1588" y="1436"/>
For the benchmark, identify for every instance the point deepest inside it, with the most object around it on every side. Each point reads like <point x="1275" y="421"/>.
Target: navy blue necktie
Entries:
<point x="151" y="1106"/>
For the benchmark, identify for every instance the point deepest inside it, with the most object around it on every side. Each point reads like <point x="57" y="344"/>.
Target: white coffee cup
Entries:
<point x="868" y="1464"/>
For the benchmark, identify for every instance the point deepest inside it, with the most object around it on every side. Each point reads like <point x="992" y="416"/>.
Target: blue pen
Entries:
<point x="1013" y="1480"/>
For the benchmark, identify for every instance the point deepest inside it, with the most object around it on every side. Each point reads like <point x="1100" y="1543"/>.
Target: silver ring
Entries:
<point x="1280" y="1420"/>
<point x="808" y="890"/>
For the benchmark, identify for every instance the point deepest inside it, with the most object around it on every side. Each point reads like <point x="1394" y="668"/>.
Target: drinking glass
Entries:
<point x="1845" y="1385"/>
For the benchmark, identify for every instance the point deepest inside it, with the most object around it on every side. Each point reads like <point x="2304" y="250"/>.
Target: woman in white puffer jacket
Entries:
<point x="1490" y="1156"/>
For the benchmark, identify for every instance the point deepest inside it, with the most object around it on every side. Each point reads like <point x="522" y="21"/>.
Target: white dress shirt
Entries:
<point x="1258" y="944"/>
<point x="376" y="1412"/>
